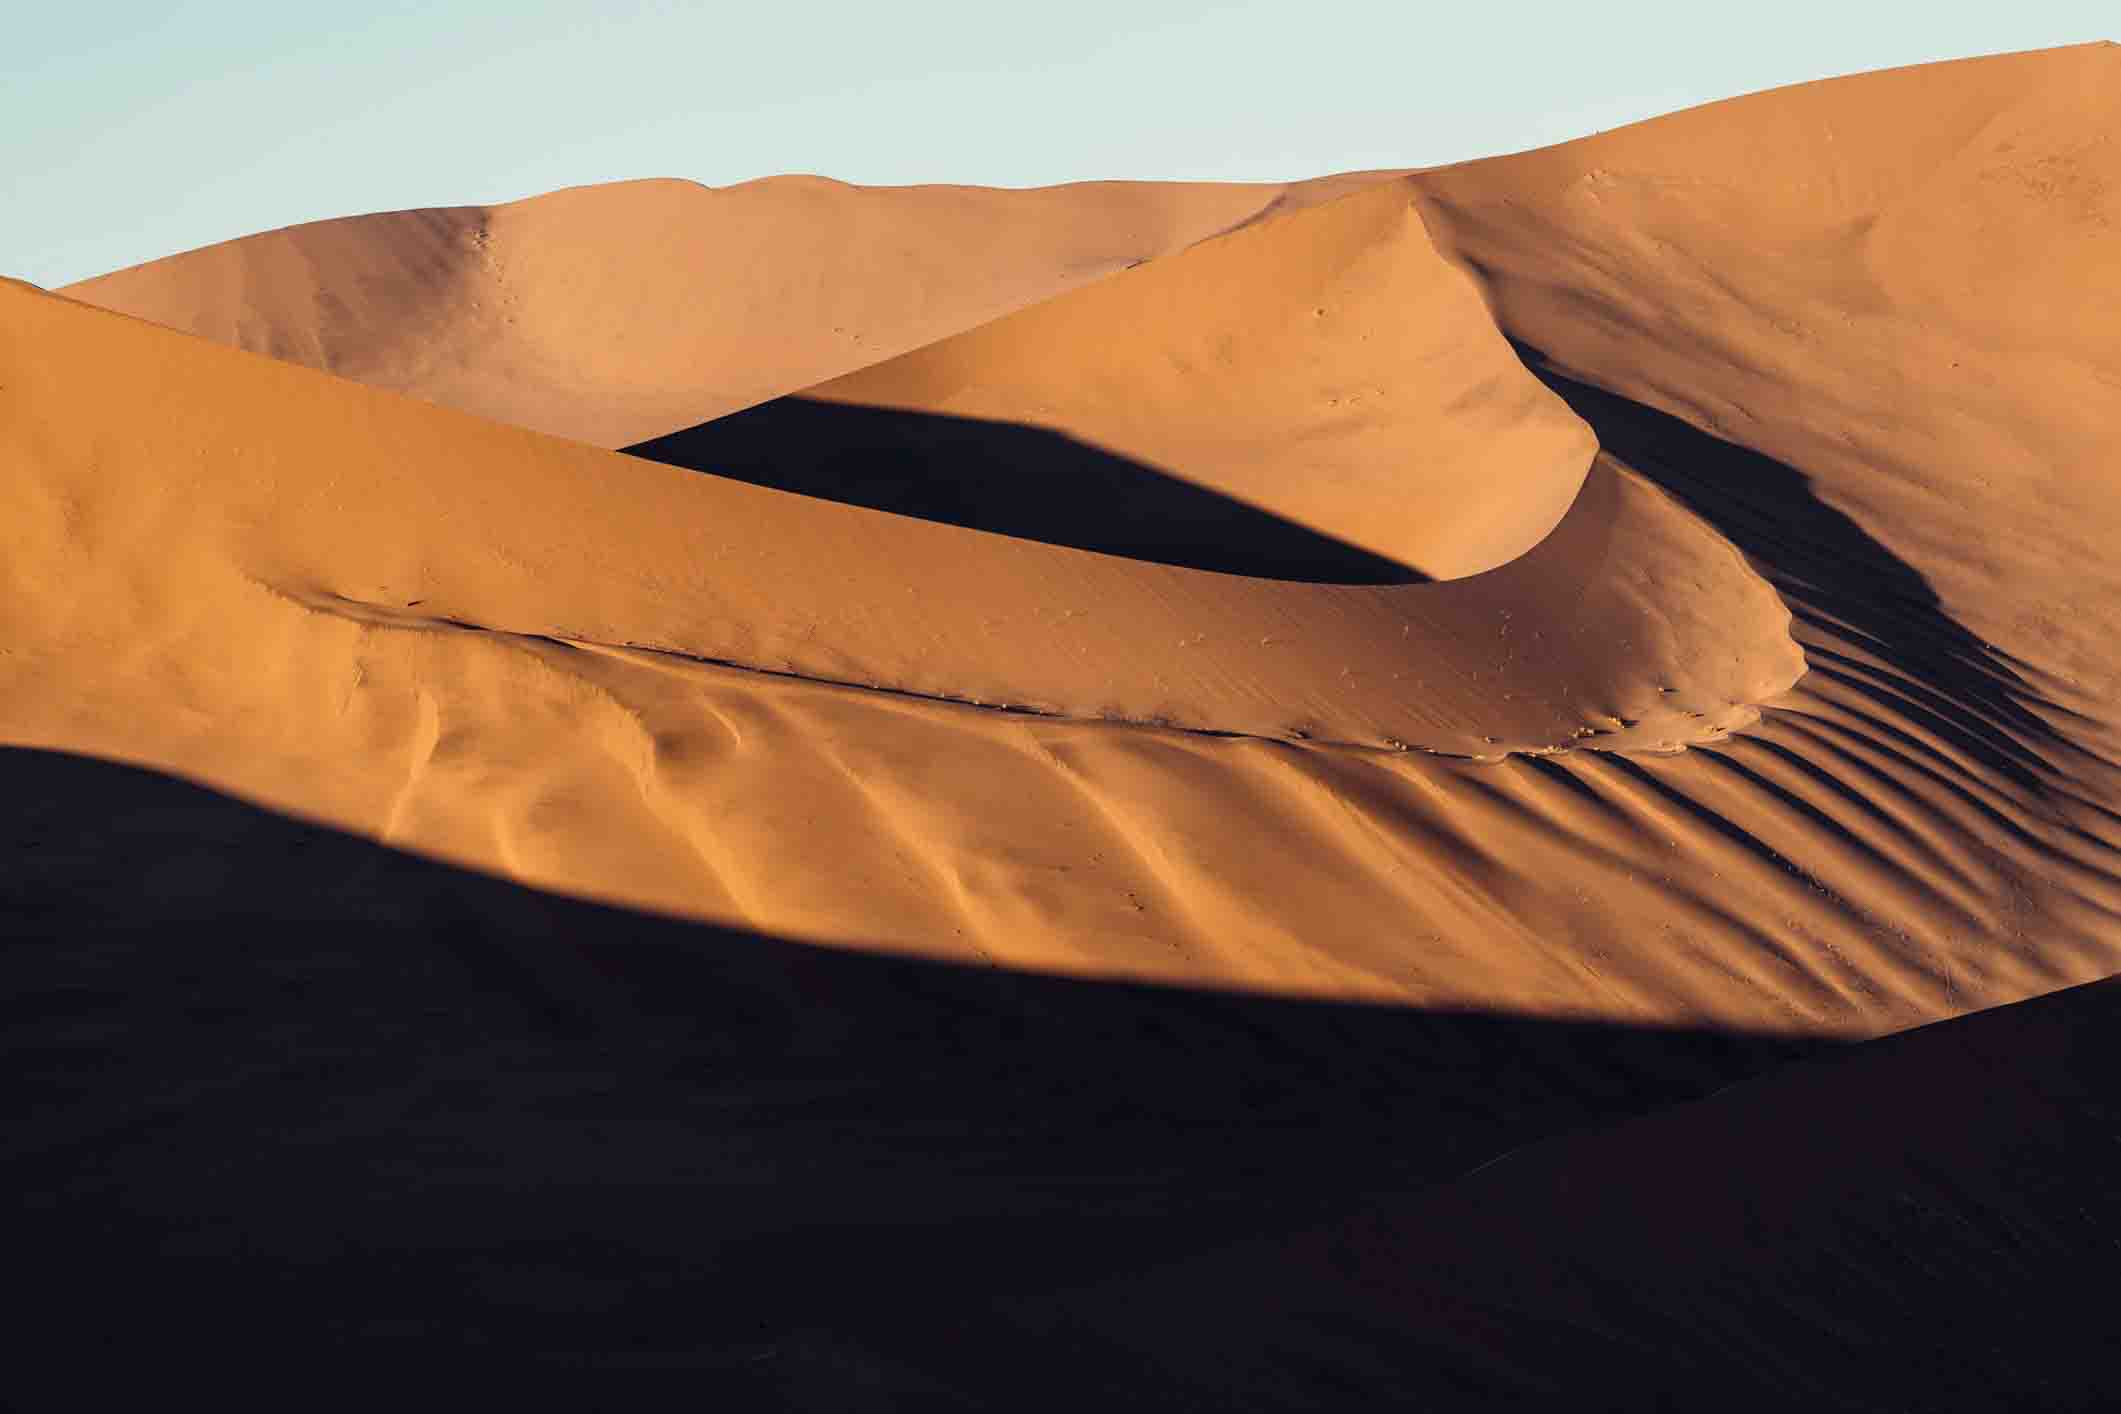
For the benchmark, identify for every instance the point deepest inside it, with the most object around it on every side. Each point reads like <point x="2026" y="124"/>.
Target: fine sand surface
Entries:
<point x="702" y="709"/>
<point x="617" y="313"/>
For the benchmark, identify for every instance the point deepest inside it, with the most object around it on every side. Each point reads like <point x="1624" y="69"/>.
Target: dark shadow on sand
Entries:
<point x="1838" y="578"/>
<point x="1011" y="479"/>
<point x="286" y="1095"/>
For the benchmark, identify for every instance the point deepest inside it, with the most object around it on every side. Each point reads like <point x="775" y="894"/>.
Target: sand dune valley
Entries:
<point x="1487" y="786"/>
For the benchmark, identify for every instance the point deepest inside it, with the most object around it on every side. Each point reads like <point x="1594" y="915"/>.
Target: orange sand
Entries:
<point x="464" y="638"/>
<point x="1737" y="644"/>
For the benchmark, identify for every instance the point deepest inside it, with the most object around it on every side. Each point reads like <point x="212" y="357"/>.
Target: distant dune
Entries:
<point x="1658" y="585"/>
<point x="617" y="313"/>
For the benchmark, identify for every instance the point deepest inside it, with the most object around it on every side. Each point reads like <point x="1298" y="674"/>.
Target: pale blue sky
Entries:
<point x="130" y="131"/>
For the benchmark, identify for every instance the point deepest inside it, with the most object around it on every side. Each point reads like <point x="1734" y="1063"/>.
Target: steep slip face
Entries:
<point x="614" y="313"/>
<point x="1327" y="367"/>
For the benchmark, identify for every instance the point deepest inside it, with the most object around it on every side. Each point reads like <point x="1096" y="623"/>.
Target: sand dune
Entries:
<point x="1645" y="590"/>
<point x="523" y="654"/>
<point x="1909" y="1225"/>
<point x="1328" y="367"/>
<point x="1921" y="315"/>
<point x="1200" y="1198"/>
<point x="400" y="1111"/>
<point x="616" y="313"/>
<point x="506" y="666"/>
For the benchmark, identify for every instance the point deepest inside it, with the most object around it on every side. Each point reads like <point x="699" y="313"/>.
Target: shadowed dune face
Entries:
<point x="609" y="1139"/>
<point x="1842" y="583"/>
<point x="540" y="1124"/>
<point x="1010" y="479"/>
<point x="1919" y="313"/>
<point x="1326" y="366"/>
<point x="1910" y="1224"/>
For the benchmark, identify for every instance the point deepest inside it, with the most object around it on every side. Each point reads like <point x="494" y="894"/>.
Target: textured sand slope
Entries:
<point x="1938" y="791"/>
<point x="1897" y="293"/>
<point x="1328" y="367"/>
<point x="392" y="1109"/>
<point x="616" y="313"/>
<point x="1904" y="285"/>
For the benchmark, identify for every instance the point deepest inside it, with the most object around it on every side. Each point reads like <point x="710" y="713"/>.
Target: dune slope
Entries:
<point x="1868" y="329"/>
<point x="637" y="682"/>
<point x="1912" y="1224"/>
<point x="398" y="1113"/>
<point x="474" y="890"/>
<point x="615" y="313"/>
<point x="470" y="639"/>
<point x="1328" y="367"/>
<point x="1900" y="284"/>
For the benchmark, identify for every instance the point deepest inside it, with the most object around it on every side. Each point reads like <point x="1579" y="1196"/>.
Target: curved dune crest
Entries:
<point x="1328" y="367"/>
<point x="1899" y="292"/>
<point x="615" y="313"/>
<point x="355" y="501"/>
<point x="1905" y="284"/>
